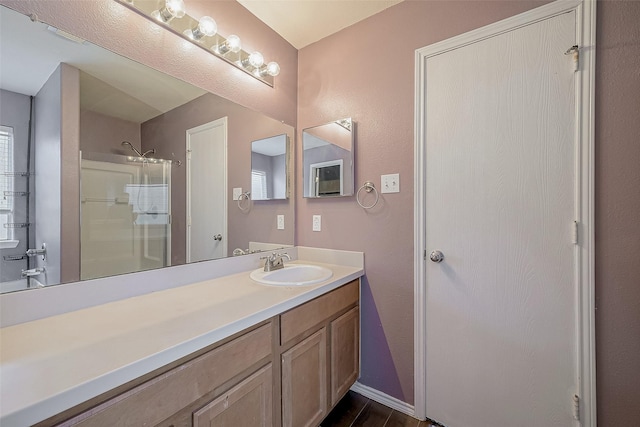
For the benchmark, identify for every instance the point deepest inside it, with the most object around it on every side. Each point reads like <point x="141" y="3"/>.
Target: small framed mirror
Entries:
<point x="327" y="157"/>
<point x="269" y="173"/>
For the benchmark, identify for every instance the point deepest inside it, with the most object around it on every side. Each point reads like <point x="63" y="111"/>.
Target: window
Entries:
<point x="6" y="182"/>
<point x="258" y="185"/>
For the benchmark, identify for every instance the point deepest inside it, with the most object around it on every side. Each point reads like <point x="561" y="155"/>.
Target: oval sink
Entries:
<point x="292" y="275"/>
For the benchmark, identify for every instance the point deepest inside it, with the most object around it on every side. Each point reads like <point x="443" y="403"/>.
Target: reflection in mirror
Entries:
<point x="327" y="159"/>
<point x="125" y="207"/>
<point x="89" y="137"/>
<point x="269" y="176"/>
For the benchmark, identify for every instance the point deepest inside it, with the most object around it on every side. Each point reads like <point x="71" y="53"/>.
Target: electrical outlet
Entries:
<point x="236" y="193"/>
<point x="390" y="183"/>
<point x="280" y="222"/>
<point x="317" y="223"/>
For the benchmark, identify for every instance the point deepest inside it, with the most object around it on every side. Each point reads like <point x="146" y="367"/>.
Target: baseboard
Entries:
<point x="384" y="399"/>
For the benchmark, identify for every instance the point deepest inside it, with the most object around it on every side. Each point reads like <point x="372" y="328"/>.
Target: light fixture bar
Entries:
<point x="163" y="13"/>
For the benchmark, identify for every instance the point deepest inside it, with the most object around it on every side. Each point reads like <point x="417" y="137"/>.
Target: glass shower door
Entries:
<point x="125" y="214"/>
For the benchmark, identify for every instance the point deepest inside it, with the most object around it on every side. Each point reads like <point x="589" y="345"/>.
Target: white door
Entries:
<point x="207" y="191"/>
<point x="501" y="308"/>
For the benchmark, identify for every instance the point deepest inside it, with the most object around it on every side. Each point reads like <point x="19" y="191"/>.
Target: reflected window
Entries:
<point x="6" y="182"/>
<point x="258" y="185"/>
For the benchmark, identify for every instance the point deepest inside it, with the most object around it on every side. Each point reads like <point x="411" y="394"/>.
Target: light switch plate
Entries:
<point x="236" y="193"/>
<point x="390" y="183"/>
<point x="280" y="222"/>
<point x="317" y="223"/>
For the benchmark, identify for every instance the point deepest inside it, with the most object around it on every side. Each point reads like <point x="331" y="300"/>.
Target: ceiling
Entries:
<point x="302" y="22"/>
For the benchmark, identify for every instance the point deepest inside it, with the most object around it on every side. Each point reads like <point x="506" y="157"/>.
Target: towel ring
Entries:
<point x="368" y="187"/>
<point x="243" y="196"/>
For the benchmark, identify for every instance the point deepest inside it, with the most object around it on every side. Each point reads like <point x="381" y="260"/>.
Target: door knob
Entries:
<point x="436" y="256"/>
<point x="218" y="237"/>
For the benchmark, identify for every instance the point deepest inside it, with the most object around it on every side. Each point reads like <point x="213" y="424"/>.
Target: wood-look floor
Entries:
<point x="355" y="410"/>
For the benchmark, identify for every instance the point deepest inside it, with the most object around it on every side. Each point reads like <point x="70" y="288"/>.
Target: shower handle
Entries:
<point x="218" y="237"/>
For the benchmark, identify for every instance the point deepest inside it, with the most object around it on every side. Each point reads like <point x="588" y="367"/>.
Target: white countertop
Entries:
<point x="55" y="363"/>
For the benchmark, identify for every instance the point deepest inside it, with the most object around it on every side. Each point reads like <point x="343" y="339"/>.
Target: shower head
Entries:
<point x="133" y="148"/>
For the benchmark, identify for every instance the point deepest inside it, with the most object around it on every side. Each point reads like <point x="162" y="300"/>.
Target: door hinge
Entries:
<point x="574" y="51"/>
<point x="574" y="233"/>
<point x="576" y="407"/>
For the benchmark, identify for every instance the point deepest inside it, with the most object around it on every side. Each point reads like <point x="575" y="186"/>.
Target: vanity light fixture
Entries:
<point x="203" y="32"/>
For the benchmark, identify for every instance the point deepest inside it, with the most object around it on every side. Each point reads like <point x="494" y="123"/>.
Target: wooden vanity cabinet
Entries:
<point x="238" y="370"/>
<point x="288" y="371"/>
<point x="320" y="355"/>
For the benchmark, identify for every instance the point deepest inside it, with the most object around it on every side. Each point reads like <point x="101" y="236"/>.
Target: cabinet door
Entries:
<point x="345" y="353"/>
<point x="248" y="404"/>
<point x="304" y="382"/>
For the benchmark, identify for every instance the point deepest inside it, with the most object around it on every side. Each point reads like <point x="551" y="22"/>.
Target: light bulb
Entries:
<point x="172" y="9"/>
<point x="256" y="60"/>
<point x="206" y="27"/>
<point x="234" y="43"/>
<point x="175" y="7"/>
<point x="273" y="69"/>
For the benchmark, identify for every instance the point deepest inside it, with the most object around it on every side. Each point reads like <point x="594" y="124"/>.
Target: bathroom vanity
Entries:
<point x="227" y="350"/>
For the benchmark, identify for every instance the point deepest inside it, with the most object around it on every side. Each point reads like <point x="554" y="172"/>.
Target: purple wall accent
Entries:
<point x="360" y="74"/>
<point x="167" y="134"/>
<point x="144" y="41"/>
<point x="617" y="213"/>
<point x="104" y="134"/>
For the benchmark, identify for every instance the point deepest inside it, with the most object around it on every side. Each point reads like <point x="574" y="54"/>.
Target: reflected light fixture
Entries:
<point x="206" y="27"/>
<point x="203" y="32"/>
<point x="172" y="9"/>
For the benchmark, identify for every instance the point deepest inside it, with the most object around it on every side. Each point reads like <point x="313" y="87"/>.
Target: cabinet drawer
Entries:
<point x="163" y="396"/>
<point x="300" y="319"/>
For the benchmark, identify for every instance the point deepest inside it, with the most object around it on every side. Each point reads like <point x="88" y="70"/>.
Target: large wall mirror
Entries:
<point x="327" y="159"/>
<point x="117" y="167"/>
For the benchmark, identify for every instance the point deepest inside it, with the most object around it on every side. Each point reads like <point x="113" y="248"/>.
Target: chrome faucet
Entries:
<point x="274" y="261"/>
<point x="33" y="272"/>
<point x="36" y="252"/>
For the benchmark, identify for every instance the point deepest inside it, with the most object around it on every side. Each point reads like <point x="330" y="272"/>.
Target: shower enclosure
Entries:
<point x="125" y="213"/>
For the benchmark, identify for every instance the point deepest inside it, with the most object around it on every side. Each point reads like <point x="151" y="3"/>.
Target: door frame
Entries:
<point x="584" y="192"/>
<point x="221" y="122"/>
